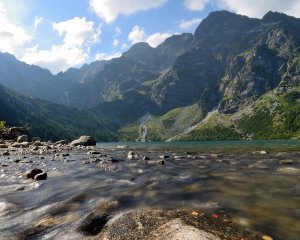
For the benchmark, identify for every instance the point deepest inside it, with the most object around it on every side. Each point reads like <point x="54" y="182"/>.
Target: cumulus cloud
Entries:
<point x="109" y="10"/>
<point x="78" y="36"/>
<point x="189" y="24"/>
<point x="257" y="8"/>
<point x="12" y="36"/>
<point x="77" y="32"/>
<point x="37" y="21"/>
<point x="138" y="34"/>
<point x="106" y="56"/>
<point x="195" y="5"/>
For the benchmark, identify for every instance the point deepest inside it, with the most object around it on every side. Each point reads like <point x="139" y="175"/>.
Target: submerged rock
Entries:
<point x="84" y="141"/>
<point x="285" y="162"/>
<point x="95" y="221"/>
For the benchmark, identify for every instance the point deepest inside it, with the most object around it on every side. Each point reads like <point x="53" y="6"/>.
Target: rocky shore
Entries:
<point x="115" y="217"/>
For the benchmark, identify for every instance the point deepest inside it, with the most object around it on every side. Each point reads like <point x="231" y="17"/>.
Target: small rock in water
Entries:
<point x="3" y="146"/>
<point x="158" y="162"/>
<point x="94" y="152"/>
<point x="34" y="139"/>
<point x="146" y="158"/>
<point x="65" y="155"/>
<point x="5" y="153"/>
<point x="132" y="155"/>
<point x="37" y="144"/>
<point x="164" y="156"/>
<point x="62" y="142"/>
<point x="285" y="162"/>
<point x="40" y="176"/>
<point x="34" y="172"/>
<point x="115" y="160"/>
<point x="22" y="138"/>
<point x="20" y="145"/>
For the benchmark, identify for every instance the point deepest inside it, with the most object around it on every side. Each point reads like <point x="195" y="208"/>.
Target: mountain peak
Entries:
<point x="275" y="16"/>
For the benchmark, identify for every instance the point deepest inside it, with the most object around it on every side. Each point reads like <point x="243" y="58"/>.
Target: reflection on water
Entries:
<point x="230" y="177"/>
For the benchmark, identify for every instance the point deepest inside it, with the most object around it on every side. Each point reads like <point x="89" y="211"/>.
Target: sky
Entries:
<point x="59" y="34"/>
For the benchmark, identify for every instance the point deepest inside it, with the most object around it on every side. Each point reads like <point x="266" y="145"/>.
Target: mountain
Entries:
<point x="51" y="121"/>
<point x="213" y="84"/>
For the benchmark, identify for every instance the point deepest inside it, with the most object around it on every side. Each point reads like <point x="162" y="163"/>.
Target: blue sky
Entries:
<point x="59" y="34"/>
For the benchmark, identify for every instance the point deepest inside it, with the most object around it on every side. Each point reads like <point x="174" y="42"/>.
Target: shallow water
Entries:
<point x="233" y="178"/>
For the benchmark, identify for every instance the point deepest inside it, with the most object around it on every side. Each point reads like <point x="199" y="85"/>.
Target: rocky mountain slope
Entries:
<point x="51" y="121"/>
<point x="203" y="86"/>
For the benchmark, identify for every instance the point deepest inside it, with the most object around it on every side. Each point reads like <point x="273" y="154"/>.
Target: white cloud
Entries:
<point x="77" y="32"/>
<point x="138" y="34"/>
<point x="188" y="24"/>
<point x="109" y="10"/>
<point x="115" y="43"/>
<point x="37" y="21"/>
<point x="12" y="37"/>
<point x="195" y="5"/>
<point x="258" y="8"/>
<point x="157" y="38"/>
<point x="106" y="56"/>
<point x="78" y="36"/>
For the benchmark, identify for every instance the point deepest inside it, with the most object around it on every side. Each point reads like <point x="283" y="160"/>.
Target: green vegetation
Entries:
<point x="2" y="126"/>
<point x="51" y="121"/>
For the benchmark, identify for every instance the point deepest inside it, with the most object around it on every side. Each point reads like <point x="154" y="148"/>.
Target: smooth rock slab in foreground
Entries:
<point x="147" y="224"/>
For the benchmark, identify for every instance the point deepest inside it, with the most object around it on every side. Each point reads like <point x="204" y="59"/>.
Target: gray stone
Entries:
<point x="154" y="225"/>
<point x="22" y="138"/>
<point x="3" y="145"/>
<point x="34" y="172"/>
<point x="37" y="144"/>
<point x="94" y="152"/>
<point x="132" y="155"/>
<point x="40" y="176"/>
<point x="34" y="139"/>
<point x="62" y="142"/>
<point x="20" y="145"/>
<point x="158" y="162"/>
<point x="286" y="162"/>
<point x="5" y="153"/>
<point x="84" y="141"/>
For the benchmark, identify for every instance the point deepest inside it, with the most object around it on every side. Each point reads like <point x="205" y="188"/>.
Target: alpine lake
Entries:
<point x="255" y="183"/>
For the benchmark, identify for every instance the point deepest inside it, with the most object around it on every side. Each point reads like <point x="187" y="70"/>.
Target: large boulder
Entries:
<point x="84" y="141"/>
<point x="22" y="138"/>
<point x="153" y="224"/>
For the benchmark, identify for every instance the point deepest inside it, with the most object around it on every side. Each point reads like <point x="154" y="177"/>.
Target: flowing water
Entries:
<point x="260" y="190"/>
